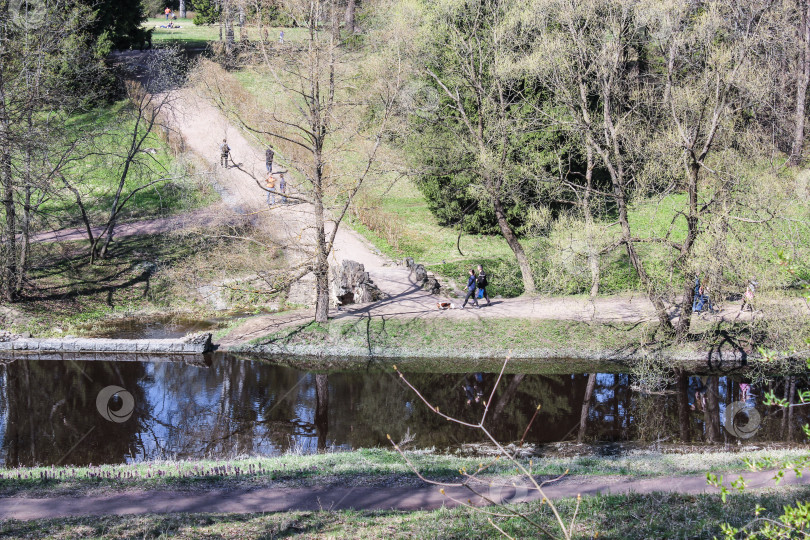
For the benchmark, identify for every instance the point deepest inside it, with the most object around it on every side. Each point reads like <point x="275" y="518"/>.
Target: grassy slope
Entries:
<point x="97" y="175"/>
<point x="360" y="467"/>
<point x="64" y="289"/>
<point x="612" y="516"/>
<point x="191" y="36"/>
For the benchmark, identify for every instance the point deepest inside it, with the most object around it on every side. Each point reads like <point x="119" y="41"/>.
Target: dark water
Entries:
<point x="167" y="327"/>
<point x="49" y="415"/>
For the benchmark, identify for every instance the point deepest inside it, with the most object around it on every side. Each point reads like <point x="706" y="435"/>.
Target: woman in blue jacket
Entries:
<point x="470" y="290"/>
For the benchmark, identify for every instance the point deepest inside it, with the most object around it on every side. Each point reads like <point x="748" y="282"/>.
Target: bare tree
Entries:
<point x="480" y="111"/>
<point x="488" y="490"/>
<point x="349" y="19"/>
<point x="597" y="60"/>
<point x="802" y="82"/>
<point x="327" y="124"/>
<point x="36" y="43"/>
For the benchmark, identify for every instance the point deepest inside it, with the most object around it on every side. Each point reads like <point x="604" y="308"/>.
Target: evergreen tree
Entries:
<point x="118" y="24"/>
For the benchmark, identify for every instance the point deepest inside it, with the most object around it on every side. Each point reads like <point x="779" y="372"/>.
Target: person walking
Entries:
<point x="748" y="296"/>
<point x="481" y="282"/>
<point x="470" y="290"/>
<point x="167" y="11"/>
<point x="270" y="183"/>
<point x="224" y="153"/>
<point x="281" y="37"/>
<point x="268" y="158"/>
<point x="282" y="187"/>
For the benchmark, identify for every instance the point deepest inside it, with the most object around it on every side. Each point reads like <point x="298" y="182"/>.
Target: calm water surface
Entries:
<point x="49" y="414"/>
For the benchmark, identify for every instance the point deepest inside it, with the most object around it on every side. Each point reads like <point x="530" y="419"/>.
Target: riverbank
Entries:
<point x="483" y="344"/>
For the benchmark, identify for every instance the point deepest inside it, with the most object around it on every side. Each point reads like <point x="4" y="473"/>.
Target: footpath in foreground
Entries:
<point x="358" y="498"/>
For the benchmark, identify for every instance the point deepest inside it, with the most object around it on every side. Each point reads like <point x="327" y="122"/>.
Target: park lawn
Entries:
<point x="371" y="466"/>
<point x="634" y="516"/>
<point x="191" y="36"/>
<point x="97" y="174"/>
<point x="142" y="276"/>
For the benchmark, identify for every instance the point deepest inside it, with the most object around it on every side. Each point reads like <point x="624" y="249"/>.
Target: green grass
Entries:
<point x="191" y="36"/>
<point x="626" y="517"/>
<point x="362" y="467"/>
<point x="66" y="291"/>
<point x="97" y="175"/>
<point x="492" y="337"/>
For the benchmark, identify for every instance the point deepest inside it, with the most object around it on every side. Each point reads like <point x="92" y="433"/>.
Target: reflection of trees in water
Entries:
<point x="235" y="407"/>
<point x="51" y="407"/>
<point x="242" y="407"/>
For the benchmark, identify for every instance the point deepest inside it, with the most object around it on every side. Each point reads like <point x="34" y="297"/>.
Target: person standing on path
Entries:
<point x="282" y="187"/>
<point x="268" y="158"/>
<point x="470" y="290"/>
<point x="270" y="184"/>
<point x="481" y="282"/>
<point x="224" y="153"/>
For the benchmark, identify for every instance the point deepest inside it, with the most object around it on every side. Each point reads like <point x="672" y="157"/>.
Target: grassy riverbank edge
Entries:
<point x="543" y="346"/>
<point x="375" y="467"/>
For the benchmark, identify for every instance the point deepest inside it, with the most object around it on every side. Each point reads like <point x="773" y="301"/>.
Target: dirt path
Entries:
<point x="425" y="497"/>
<point x="203" y="127"/>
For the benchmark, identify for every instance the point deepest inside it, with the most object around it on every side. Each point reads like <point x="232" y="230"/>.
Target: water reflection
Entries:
<point x="239" y="407"/>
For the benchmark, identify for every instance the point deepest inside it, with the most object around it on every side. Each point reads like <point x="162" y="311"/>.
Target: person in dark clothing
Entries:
<point x="481" y="282"/>
<point x="470" y="290"/>
<point x="268" y="158"/>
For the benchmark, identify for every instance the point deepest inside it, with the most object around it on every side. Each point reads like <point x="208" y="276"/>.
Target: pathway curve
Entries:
<point x="427" y="497"/>
<point x="203" y="126"/>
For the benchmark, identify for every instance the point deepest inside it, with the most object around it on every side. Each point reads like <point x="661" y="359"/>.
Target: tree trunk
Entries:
<point x="586" y="407"/>
<point x="227" y="18"/>
<point x="322" y="409"/>
<point x="9" y="277"/>
<point x="685" y="320"/>
<point x="321" y="270"/>
<point x="507" y="396"/>
<point x="26" y="239"/>
<point x="335" y="16"/>
<point x="683" y="406"/>
<point x="712" y="412"/>
<point x="802" y="81"/>
<point x="182" y="9"/>
<point x="514" y="244"/>
<point x="242" y="29"/>
<point x="593" y="252"/>
<point x="350" y="7"/>
<point x="641" y="272"/>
